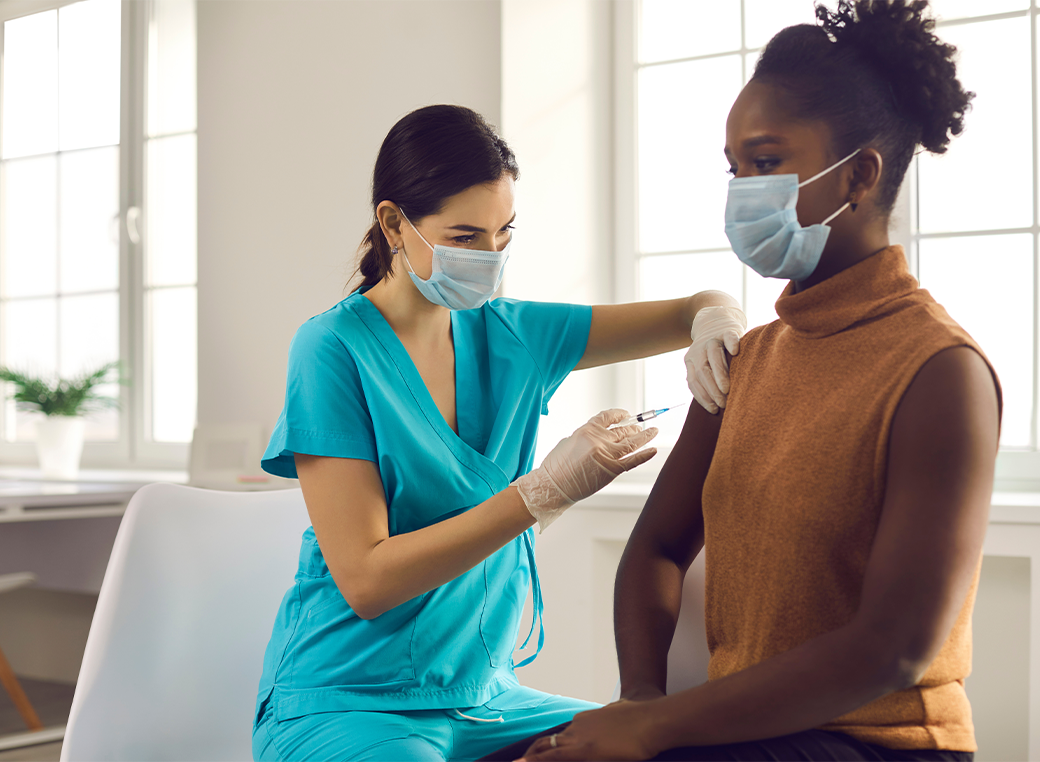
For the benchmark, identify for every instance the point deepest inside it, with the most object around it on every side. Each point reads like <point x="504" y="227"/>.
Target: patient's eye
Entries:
<point x="766" y="163"/>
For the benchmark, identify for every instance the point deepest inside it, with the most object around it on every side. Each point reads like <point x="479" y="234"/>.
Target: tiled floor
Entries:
<point x="52" y="702"/>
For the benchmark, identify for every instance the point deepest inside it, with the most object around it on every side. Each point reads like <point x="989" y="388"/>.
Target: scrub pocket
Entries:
<point x="507" y="578"/>
<point x="520" y="697"/>
<point x="341" y="649"/>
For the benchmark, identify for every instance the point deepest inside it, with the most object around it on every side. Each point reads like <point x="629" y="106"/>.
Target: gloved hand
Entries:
<point x="707" y="373"/>
<point x="582" y="464"/>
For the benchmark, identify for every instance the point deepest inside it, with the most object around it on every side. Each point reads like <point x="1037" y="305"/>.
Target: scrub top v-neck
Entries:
<point x="353" y="391"/>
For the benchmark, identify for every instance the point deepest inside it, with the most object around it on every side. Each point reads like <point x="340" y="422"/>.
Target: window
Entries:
<point x="97" y="123"/>
<point x="681" y="65"/>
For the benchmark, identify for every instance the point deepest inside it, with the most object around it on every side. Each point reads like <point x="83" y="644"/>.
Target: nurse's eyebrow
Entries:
<point x="475" y="229"/>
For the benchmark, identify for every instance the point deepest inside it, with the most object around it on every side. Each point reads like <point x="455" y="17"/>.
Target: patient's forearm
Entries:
<point x="647" y="597"/>
<point x="799" y="689"/>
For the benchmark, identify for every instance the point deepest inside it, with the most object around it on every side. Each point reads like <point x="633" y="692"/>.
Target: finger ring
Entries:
<point x="552" y="740"/>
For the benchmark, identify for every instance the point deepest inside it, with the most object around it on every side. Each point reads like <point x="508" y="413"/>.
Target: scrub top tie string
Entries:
<point x="539" y="607"/>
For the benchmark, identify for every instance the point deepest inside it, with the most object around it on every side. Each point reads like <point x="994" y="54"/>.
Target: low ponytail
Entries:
<point x="430" y="155"/>
<point x="375" y="260"/>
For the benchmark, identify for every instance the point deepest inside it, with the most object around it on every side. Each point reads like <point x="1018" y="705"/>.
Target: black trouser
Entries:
<point x="809" y="746"/>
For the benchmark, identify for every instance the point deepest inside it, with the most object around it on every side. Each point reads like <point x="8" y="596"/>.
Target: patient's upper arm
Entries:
<point x="672" y="522"/>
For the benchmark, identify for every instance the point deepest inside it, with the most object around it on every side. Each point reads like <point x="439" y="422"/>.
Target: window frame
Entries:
<point x="1016" y="469"/>
<point x="133" y="449"/>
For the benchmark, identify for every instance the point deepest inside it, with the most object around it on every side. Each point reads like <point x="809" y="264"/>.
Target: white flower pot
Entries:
<point x="59" y="445"/>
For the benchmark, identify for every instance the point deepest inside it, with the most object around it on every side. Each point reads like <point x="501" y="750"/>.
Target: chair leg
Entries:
<point x="14" y="690"/>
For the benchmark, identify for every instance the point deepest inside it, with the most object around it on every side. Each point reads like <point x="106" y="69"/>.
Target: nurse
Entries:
<point x="410" y="419"/>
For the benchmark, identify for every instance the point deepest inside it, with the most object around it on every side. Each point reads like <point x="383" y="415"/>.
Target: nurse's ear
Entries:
<point x="390" y="221"/>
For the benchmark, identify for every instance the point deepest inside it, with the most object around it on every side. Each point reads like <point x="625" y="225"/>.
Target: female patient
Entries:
<point x="843" y="499"/>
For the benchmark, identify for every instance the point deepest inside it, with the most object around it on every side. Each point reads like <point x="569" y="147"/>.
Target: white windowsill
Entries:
<point x="29" y="473"/>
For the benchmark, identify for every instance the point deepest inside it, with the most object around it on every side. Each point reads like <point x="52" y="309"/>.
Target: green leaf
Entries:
<point x="69" y="397"/>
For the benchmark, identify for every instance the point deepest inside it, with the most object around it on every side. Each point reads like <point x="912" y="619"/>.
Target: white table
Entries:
<point x="63" y="531"/>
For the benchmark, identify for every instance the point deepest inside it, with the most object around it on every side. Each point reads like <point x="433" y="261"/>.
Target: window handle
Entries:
<point x="133" y="214"/>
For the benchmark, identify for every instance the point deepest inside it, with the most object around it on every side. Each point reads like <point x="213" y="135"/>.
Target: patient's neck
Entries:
<point x="845" y="250"/>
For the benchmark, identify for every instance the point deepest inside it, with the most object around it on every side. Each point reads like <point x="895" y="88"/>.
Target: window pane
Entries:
<point x="89" y="339"/>
<point x="682" y="169"/>
<point x="957" y="189"/>
<point x="670" y="29"/>
<point x="171" y="67"/>
<point x="762" y="294"/>
<point x="986" y="284"/>
<point x="764" y="18"/>
<point x="30" y="201"/>
<point x="957" y="9"/>
<point x="172" y="337"/>
<point x="88" y="68"/>
<point x="30" y="341"/>
<point x="90" y="220"/>
<point x="31" y="85"/>
<point x="170" y="211"/>
<point x="670" y="277"/>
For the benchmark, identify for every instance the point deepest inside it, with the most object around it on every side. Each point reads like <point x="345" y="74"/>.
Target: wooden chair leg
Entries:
<point x="14" y="690"/>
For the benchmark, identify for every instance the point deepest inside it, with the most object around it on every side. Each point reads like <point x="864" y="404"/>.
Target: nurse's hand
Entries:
<point x="582" y="464"/>
<point x="716" y="330"/>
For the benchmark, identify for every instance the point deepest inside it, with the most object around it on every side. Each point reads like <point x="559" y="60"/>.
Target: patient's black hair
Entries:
<point x="429" y="156"/>
<point x="876" y="74"/>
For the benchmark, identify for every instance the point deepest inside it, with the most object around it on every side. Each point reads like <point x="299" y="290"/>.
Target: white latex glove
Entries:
<point x="707" y="372"/>
<point x="582" y="464"/>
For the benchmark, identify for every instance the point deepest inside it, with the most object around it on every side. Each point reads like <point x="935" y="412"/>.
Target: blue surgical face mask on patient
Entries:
<point x="462" y="279"/>
<point x="762" y="225"/>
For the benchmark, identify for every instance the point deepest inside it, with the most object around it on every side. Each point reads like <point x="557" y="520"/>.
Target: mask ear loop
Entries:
<point x="842" y="209"/>
<point x="420" y="237"/>
<point x="817" y="176"/>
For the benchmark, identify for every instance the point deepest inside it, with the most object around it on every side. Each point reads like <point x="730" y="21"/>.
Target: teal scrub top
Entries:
<point x="352" y="391"/>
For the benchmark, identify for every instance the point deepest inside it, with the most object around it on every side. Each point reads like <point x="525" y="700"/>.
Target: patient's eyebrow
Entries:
<point x="762" y="140"/>
<point x="475" y="229"/>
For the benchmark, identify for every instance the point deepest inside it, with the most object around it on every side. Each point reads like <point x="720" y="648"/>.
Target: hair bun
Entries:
<point x="896" y="37"/>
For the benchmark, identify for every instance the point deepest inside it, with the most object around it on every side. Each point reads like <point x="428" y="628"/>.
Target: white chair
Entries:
<point x="175" y="650"/>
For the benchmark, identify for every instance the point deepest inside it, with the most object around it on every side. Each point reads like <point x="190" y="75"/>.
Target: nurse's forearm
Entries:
<point x="622" y="332"/>
<point x="404" y="566"/>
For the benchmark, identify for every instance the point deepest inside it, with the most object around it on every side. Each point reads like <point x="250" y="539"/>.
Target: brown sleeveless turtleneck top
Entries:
<point x="793" y="498"/>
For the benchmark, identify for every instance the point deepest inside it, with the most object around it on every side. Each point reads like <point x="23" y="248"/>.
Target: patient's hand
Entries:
<point x="617" y="731"/>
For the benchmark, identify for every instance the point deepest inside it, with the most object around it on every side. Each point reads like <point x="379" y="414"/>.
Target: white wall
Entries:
<point x="557" y="114"/>
<point x="294" y="101"/>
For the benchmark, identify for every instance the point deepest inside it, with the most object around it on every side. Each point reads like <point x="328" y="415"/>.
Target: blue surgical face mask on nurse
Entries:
<point x="461" y="279"/>
<point x="763" y="229"/>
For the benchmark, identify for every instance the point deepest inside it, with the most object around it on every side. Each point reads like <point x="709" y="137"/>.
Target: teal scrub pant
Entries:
<point x="433" y="735"/>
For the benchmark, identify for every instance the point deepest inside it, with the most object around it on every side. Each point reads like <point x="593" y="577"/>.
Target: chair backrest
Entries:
<point x="176" y="646"/>
<point x="688" y="657"/>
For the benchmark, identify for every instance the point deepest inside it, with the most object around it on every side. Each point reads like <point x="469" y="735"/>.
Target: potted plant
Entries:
<point x="63" y="402"/>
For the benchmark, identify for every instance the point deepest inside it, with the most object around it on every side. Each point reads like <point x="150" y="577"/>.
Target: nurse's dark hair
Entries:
<point x="876" y="74"/>
<point x="429" y="156"/>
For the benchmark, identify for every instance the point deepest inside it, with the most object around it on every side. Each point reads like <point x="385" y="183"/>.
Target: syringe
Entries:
<point x="646" y="416"/>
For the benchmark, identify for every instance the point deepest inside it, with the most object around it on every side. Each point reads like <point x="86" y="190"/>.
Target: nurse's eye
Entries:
<point x="732" y="170"/>
<point x="464" y="239"/>
<point x="507" y="229"/>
